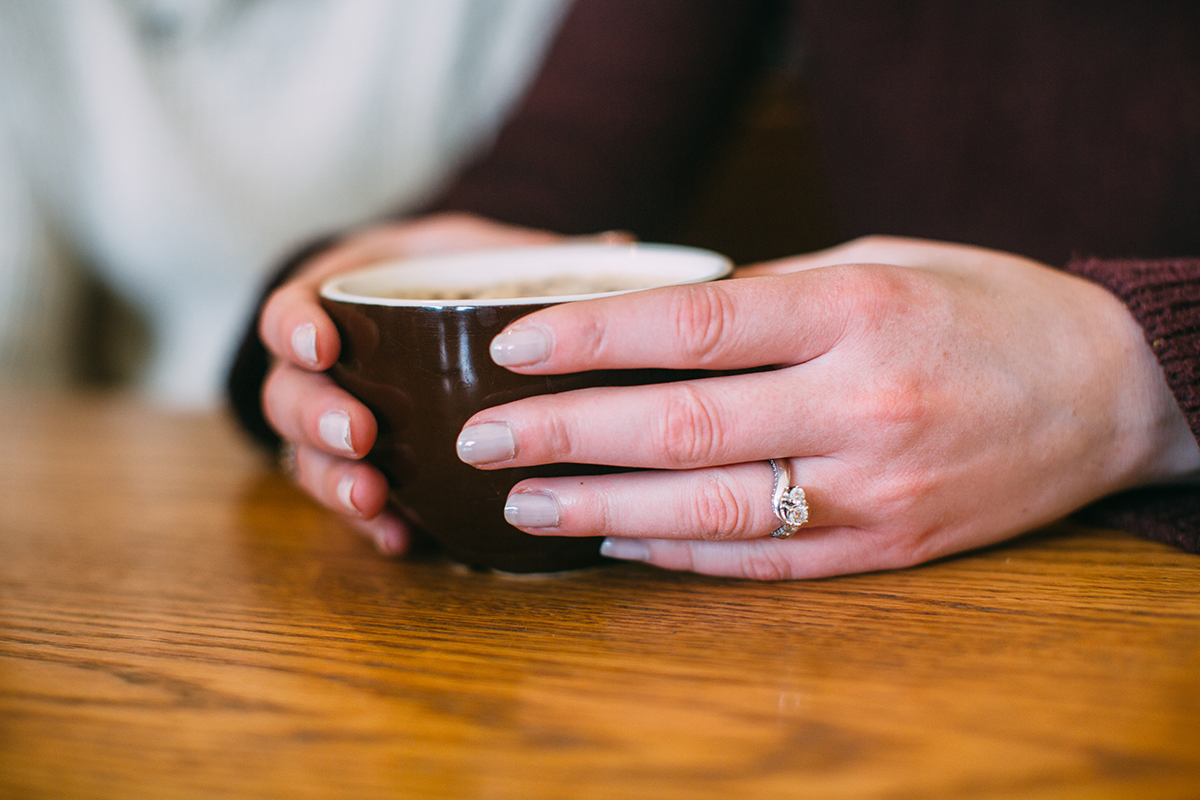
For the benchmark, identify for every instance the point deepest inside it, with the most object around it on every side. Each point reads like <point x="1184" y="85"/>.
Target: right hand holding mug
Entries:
<point x="929" y="397"/>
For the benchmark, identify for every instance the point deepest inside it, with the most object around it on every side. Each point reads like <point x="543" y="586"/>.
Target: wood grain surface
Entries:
<point x="177" y="621"/>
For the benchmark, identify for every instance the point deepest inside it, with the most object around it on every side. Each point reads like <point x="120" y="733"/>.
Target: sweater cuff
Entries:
<point x="1164" y="298"/>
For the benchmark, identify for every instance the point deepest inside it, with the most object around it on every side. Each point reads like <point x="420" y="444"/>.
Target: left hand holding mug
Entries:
<point x="929" y="398"/>
<point x="328" y="431"/>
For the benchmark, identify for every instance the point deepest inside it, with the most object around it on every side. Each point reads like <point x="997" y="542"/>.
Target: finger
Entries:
<point x="889" y="250"/>
<point x="865" y="250"/>
<point x="721" y="504"/>
<point x="389" y="531"/>
<point x="294" y="327"/>
<point x="356" y="491"/>
<point x="684" y="425"/>
<point x="815" y="553"/>
<point x="734" y="324"/>
<point x="311" y="410"/>
<point x="350" y="488"/>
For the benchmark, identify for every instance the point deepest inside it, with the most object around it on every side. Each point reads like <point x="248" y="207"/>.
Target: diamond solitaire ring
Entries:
<point x="788" y="502"/>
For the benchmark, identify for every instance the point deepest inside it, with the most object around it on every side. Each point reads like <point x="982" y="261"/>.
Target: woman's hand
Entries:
<point x="931" y="398"/>
<point x="329" y="429"/>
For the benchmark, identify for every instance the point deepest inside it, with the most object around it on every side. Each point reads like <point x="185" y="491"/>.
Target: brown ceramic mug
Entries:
<point x="415" y="349"/>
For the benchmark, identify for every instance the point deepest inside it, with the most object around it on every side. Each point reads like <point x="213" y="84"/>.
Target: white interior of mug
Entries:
<point x="640" y="266"/>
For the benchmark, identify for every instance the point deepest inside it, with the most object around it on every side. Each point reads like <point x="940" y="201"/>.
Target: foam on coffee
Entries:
<point x="524" y="276"/>
<point x="552" y="286"/>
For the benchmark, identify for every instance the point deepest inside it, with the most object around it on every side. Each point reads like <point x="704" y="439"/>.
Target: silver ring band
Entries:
<point x="788" y="502"/>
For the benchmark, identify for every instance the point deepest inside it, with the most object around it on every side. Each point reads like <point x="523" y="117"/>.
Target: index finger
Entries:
<point x="294" y="327"/>
<point x="733" y="324"/>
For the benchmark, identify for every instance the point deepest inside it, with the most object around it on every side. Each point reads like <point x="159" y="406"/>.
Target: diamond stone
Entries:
<point x="794" y="507"/>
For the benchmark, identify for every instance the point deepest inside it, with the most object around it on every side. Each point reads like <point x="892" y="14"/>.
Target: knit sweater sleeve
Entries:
<point x="1164" y="297"/>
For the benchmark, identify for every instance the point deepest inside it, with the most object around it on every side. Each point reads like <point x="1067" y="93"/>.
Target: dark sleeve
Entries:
<point x="612" y="133"/>
<point x="1164" y="297"/>
<point x="628" y="104"/>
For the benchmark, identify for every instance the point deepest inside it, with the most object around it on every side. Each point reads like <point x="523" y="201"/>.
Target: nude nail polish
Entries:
<point x="486" y="443"/>
<point x="345" y="489"/>
<point x="625" y="549"/>
<point x="520" y="348"/>
<point x="334" y="427"/>
<point x="532" y="510"/>
<point x="304" y="343"/>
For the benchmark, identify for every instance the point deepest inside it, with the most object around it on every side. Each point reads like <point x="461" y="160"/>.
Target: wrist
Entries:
<point x="1162" y="447"/>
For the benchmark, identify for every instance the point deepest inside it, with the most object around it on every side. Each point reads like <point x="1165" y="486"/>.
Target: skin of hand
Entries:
<point x="932" y="398"/>
<point x="330" y="430"/>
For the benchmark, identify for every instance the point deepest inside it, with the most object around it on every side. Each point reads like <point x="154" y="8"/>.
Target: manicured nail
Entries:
<point x="486" y="443"/>
<point x="304" y="343"/>
<point x="520" y="347"/>
<point x="344" y="488"/>
<point x="532" y="510"/>
<point x="625" y="549"/>
<point x="335" y="430"/>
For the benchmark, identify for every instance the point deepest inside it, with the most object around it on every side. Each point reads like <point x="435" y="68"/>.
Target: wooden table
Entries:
<point x="178" y="621"/>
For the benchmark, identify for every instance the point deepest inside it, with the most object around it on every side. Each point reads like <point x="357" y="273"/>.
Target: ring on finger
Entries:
<point x="787" y="501"/>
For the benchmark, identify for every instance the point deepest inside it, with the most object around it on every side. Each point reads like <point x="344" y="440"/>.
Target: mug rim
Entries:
<point x="535" y="261"/>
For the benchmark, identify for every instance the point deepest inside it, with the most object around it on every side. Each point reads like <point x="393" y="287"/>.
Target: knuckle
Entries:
<point x="921" y="547"/>
<point x="874" y="242"/>
<point x="898" y="494"/>
<point x="596" y="513"/>
<point x="589" y="334"/>
<point x="556" y="437"/>
<point x="873" y="248"/>
<point x="719" y="510"/>
<point x="702" y="316"/>
<point x="908" y="546"/>
<point x="900" y="404"/>
<point x="767" y="564"/>
<point x="688" y="428"/>
<point x="875" y="292"/>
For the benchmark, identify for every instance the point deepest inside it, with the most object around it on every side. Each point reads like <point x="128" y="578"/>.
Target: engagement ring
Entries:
<point x="788" y="502"/>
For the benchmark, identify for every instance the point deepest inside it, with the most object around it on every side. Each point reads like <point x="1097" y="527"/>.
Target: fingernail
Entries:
<point x="344" y="489"/>
<point x="335" y="430"/>
<point x="304" y="343"/>
<point x="486" y="443"/>
<point x="625" y="549"/>
<point x="532" y="510"/>
<point x="520" y="347"/>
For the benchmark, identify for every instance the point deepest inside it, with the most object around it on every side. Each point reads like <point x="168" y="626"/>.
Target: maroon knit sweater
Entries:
<point x="1065" y="131"/>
